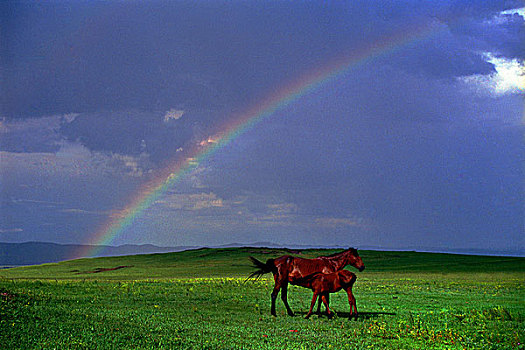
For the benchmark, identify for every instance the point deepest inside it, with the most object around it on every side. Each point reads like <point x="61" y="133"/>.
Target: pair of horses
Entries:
<point x="324" y="275"/>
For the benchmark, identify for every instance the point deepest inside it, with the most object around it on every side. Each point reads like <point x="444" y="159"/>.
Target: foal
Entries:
<point x="322" y="284"/>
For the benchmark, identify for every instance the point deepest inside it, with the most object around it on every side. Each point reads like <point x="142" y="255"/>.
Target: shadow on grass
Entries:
<point x="365" y="315"/>
<point x="361" y="315"/>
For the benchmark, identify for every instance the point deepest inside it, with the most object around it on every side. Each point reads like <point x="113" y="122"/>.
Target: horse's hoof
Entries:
<point x="307" y="317"/>
<point x="291" y="314"/>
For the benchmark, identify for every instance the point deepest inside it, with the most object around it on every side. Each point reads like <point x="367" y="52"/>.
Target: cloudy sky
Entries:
<point x="411" y="136"/>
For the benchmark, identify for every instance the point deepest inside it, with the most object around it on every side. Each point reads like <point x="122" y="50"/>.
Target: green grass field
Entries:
<point x="198" y="300"/>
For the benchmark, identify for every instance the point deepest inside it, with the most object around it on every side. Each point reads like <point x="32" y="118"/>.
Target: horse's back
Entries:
<point x="295" y="268"/>
<point x="346" y="273"/>
<point x="283" y="262"/>
<point x="347" y="277"/>
<point x="300" y="268"/>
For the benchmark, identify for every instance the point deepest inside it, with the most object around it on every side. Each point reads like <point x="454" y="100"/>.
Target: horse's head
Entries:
<point x="354" y="259"/>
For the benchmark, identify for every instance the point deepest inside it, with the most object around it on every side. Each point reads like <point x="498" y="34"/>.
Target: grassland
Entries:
<point x="198" y="300"/>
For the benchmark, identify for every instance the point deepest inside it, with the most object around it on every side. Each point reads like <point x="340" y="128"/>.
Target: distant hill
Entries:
<point x="32" y="253"/>
<point x="235" y="262"/>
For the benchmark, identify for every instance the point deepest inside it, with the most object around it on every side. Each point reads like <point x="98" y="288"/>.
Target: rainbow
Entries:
<point x="287" y="94"/>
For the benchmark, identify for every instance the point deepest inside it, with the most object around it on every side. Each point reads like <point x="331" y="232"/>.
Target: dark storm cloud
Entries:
<point x="130" y="132"/>
<point x="502" y="34"/>
<point x="137" y="133"/>
<point x="79" y="57"/>
<point x="401" y="149"/>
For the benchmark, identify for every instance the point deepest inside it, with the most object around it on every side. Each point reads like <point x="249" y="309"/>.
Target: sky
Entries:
<point x="391" y="124"/>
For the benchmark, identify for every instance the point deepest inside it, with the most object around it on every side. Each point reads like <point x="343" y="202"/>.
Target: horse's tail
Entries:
<point x="262" y="268"/>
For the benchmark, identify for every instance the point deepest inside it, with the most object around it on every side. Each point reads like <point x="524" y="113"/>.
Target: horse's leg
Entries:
<point x="325" y="302"/>
<point x="314" y="299"/>
<point x="281" y="283"/>
<point x="275" y="291"/>
<point x="284" y="297"/>
<point x="319" y="306"/>
<point x="353" y="306"/>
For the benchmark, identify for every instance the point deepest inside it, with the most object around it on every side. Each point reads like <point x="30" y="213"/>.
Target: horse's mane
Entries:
<point x="351" y="250"/>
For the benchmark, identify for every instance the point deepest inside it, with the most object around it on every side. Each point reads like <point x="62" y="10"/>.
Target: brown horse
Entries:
<point x="322" y="284"/>
<point x="288" y="269"/>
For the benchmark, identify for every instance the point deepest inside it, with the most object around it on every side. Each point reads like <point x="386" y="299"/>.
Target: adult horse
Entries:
<point x="288" y="269"/>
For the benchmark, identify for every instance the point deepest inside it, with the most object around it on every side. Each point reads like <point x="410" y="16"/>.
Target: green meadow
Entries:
<point x="199" y="299"/>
